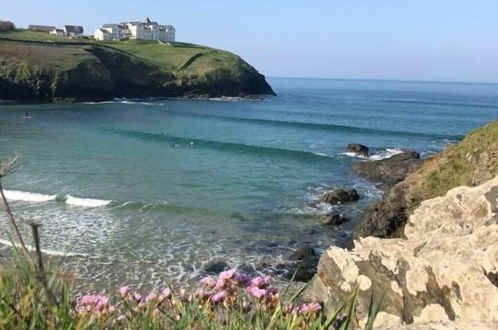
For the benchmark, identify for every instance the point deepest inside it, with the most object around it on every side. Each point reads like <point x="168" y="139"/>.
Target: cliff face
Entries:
<point x="470" y="162"/>
<point x="445" y="270"/>
<point x="52" y="71"/>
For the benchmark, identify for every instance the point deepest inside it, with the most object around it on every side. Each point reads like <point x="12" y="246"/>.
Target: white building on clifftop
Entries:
<point x="146" y="30"/>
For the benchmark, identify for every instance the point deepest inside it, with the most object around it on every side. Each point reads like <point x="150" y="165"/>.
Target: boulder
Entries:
<point x="340" y="196"/>
<point x="358" y="149"/>
<point x="303" y="264"/>
<point x="446" y="268"/>
<point x="332" y="219"/>
<point x="390" y="171"/>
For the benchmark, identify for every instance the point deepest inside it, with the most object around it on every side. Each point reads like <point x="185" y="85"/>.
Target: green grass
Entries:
<point x="465" y="163"/>
<point x="175" y="57"/>
<point x="25" y="35"/>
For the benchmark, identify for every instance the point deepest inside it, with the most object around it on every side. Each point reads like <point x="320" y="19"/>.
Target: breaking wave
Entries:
<point x="26" y="196"/>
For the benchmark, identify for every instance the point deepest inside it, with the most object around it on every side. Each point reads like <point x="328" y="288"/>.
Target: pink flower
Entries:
<point x="311" y="307"/>
<point x="124" y="291"/>
<point x="224" y="277"/>
<point x="256" y="292"/>
<point x="219" y="297"/>
<point x="208" y="281"/>
<point x="166" y="293"/>
<point x="199" y="293"/>
<point x="137" y="296"/>
<point x="259" y="282"/>
<point x="151" y="297"/>
<point x="242" y="280"/>
<point x="87" y="299"/>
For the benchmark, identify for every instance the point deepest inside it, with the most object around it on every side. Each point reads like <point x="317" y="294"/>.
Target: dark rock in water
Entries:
<point x="339" y="196"/>
<point x="358" y="149"/>
<point x="332" y="219"/>
<point x="216" y="267"/>
<point x="388" y="172"/>
<point x="304" y="264"/>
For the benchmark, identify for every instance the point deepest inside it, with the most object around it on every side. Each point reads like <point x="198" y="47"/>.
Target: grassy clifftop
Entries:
<point x="470" y="162"/>
<point x="37" y="66"/>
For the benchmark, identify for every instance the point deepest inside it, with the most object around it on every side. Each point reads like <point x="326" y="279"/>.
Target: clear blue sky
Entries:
<point x="449" y="40"/>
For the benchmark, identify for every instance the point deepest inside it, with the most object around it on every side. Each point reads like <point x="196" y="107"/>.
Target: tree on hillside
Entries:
<point x="7" y="26"/>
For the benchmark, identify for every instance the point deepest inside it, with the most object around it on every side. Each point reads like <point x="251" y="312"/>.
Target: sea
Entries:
<point x="144" y="192"/>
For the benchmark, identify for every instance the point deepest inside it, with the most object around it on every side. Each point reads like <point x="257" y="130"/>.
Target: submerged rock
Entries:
<point x="340" y="196"/>
<point x="216" y="267"/>
<point x="332" y="219"/>
<point x="358" y="149"/>
<point x="390" y="171"/>
<point x="444" y="270"/>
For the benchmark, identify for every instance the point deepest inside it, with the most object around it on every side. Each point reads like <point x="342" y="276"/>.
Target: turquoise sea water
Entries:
<point x="145" y="191"/>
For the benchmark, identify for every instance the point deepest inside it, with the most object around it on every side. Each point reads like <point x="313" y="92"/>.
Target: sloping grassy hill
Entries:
<point x="470" y="162"/>
<point x="38" y="66"/>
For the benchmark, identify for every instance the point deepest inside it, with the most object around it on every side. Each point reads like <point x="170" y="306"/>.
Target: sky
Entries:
<point x="436" y="40"/>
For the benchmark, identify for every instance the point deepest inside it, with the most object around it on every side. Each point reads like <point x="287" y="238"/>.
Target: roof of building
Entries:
<point x="73" y="29"/>
<point x="41" y="27"/>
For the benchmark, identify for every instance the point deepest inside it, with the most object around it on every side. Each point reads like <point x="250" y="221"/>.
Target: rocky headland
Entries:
<point x="428" y="251"/>
<point x="37" y="67"/>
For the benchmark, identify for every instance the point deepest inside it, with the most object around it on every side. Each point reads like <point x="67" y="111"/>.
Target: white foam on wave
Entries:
<point x="389" y="152"/>
<point x="86" y="202"/>
<point x="354" y="155"/>
<point x="125" y="102"/>
<point x="25" y="196"/>
<point x="104" y="102"/>
<point x="46" y="251"/>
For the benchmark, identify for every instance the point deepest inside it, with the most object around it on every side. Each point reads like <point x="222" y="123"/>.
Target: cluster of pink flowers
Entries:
<point x="229" y="289"/>
<point x="94" y="304"/>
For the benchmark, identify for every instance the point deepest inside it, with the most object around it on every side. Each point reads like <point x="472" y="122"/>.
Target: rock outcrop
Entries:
<point x="469" y="162"/>
<point x="332" y="219"/>
<point x="357" y="149"/>
<point x="302" y="264"/>
<point x="445" y="270"/>
<point x="340" y="196"/>
<point x="390" y="171"/>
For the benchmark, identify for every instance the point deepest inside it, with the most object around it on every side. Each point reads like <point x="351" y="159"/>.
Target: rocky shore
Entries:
<point x="428" y="251"/>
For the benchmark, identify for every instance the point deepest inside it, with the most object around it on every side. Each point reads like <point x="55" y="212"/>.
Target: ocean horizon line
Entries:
<point x="389" y="80"/>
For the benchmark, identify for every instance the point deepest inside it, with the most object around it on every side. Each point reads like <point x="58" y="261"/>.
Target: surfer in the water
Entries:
<point x="26" y="116"/>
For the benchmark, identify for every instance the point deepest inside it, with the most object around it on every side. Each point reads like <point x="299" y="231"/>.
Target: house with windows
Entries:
<point x="146" y="30"/>
<point x="73" y="31"/>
